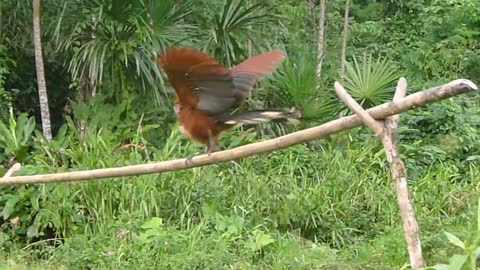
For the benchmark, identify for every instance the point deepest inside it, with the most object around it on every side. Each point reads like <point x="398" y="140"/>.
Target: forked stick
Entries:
<point x="387" y="133"/>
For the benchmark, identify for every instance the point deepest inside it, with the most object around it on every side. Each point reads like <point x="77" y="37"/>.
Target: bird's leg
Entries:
<point x="212" y="143"/>
<point x="212" y="147"/>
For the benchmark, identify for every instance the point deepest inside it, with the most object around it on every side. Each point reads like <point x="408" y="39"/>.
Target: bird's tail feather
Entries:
<point x="262" y="116"/>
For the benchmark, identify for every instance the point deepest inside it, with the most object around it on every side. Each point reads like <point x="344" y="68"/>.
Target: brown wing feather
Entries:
<point x="198" y="79"/>
<point x="260" y="64"/>
<point x="203" y="83"/>
<point x="177" y="63"/>
<point x="247" y="73"/>
<point x="216" y="100"/>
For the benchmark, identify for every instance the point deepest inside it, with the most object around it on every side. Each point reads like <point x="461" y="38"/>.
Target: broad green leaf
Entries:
<point x="438" y="267"/>
<point x="28" y="129"/>
<point x="454" y="240"/>
<point x="261" y="240"/>
<point x="457" y="262"/>
<point x="9" y="207"/>
<point x="476" y="253"/>
<point x="153" y="223"/>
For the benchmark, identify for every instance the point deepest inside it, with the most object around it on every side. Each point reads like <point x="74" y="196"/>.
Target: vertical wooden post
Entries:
<point x="387" y="133"/>
<point x="399" y="178"/>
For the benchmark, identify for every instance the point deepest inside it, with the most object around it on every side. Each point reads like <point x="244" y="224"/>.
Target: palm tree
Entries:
<point x="295" y="84"/>
<point x="0" y="19"/>
<point x="226" y="34"/>
<point x="108" y="44"/>
<point x="42" y="87"/>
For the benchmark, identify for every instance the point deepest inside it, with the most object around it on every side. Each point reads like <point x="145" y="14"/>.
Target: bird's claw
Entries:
<point x="209" y="153"/>
<point x="189" y="160"/>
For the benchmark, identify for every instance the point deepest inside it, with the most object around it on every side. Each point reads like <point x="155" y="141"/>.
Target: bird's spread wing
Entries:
<point x="247" y="73"/>
<point x="200" y="81"/>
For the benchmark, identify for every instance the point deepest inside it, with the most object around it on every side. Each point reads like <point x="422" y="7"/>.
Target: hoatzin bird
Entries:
<point x="207" y="92"/>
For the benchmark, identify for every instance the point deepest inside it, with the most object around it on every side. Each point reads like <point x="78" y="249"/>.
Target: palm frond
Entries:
<point x="226" y="33"/>
<point x="295" y="85"/>
<point x="368" y="81"/>
<point x="113" y="41"/>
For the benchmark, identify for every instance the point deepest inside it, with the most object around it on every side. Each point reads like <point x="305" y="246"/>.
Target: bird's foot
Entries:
<point x="209" y="152"/>
<point x="189" y="160"/>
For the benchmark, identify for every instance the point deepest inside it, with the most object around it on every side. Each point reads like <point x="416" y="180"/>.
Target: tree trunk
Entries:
<point x="42" y="88"/>
<point x="249" y="41"/>
<point x="0" y="19"/>
<point x="321" y="38"/>
<point x="343" y="55"/>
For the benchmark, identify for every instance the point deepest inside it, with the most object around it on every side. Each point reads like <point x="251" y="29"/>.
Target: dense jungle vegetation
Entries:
<point x="327" y="204"/>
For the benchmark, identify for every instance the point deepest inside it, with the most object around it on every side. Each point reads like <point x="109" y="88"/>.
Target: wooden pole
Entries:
<point x="434" y="94"/>
<point x="387" y="133"/>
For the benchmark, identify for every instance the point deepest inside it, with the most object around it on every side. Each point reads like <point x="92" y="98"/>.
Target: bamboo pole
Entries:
<point x="422" y="98"/>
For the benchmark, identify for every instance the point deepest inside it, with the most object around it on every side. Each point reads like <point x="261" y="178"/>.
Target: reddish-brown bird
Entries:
<point x="206" y="92"/>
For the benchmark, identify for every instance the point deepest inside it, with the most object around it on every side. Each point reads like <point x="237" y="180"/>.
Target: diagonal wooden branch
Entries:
<point x="387" y="132"/>
<point x="358" y="110"/>
<point x="422" y="98"/>
<point x="12" y="170"/>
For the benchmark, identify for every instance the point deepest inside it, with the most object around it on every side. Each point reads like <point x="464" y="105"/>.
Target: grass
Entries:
<point x="298" y="208"/>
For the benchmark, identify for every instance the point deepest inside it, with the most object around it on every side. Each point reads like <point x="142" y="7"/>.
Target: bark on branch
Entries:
<point x="434" y="94"/>
<point x="387" y="133"/>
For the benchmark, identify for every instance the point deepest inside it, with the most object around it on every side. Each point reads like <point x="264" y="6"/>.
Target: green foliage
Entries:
<point x="283" y="209"/>
<point x="5" y="97"/>
<point x="295" y="85"/>
<point x="291" y="31"/>
<point x="428" y="41"/>
<point x="326" y="205"/>
<point x="470" y="248"/>
<point x="15" y="139"/>
<point x="225" y="34"/>
<point x="370" y="82"/>
<point x="442" y="131"/>
<point x="113" y="43"/>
